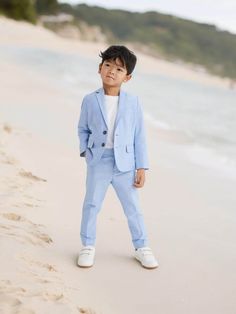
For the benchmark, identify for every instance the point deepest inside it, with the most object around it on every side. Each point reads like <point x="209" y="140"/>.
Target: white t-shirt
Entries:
<point x="111" y="104"/>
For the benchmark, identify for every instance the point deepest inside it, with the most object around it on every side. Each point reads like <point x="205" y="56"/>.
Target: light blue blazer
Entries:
<point x="130" y="149"/>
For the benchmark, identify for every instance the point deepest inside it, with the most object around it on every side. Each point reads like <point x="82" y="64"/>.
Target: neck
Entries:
<point x="111" y="91"/>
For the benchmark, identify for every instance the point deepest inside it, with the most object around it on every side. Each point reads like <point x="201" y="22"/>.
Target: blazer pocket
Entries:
<point x="129" y="148"/>
<point x="90" y="142"/>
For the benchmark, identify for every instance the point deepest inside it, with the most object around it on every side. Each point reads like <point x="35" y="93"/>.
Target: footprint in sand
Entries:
<point x="14" y="299"/>
<point x="6" y="287"/>
<point x="30" y="205"/>
<point x="23" y="230"/>
<point x="51" y="296"/>
<point x="86" y="310"/>
<point x="12" y="216"/>
<point x="9" y="160"/>
<point x="41" y="272"/>
<point x="28" y="201"/>
<point x="10" y="299"/>
<point x="10" y="304"/>
<point x="31" y="262"/>
<point x="30" y="176"/>
<point x="7" y="128"/>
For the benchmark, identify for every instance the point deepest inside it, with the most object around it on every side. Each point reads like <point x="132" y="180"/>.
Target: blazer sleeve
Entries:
<point x="83" y="130"/>
<point x="140" y="144"/>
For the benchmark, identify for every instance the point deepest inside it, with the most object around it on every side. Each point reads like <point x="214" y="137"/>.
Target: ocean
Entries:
<point x="202" y="116"/>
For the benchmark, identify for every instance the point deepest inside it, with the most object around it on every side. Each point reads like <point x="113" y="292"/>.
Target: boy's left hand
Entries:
<point x="140" y="178"/>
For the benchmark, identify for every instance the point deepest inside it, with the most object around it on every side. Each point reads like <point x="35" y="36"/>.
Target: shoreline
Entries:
<point x="38" y="36"/>
<point x="189" y="210"/>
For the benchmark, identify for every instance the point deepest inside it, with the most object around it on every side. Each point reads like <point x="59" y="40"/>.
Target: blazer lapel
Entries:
<point x="100" y="98"/>
<point x="121" y="105"/>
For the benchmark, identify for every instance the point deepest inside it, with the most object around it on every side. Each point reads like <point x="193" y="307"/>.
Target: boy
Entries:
<point x="112" y="140"/>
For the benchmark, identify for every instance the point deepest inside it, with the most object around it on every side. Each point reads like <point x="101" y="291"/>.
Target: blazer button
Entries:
<point x="103" y="144"/>
<point x="104" y="132"/>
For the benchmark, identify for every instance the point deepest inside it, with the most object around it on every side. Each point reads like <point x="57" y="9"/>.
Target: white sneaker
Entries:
<point x="145" y="256"/>
<point x="86" y="256"/>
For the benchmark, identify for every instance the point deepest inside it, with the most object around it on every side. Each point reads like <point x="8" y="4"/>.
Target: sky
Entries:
<point x="221" y="13"/>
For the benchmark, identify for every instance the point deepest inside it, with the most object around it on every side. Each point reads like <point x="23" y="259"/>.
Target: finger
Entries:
<point x="138" y="185"/>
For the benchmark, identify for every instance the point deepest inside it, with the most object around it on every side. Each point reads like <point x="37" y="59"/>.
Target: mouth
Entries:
<point x="110" y="77"/>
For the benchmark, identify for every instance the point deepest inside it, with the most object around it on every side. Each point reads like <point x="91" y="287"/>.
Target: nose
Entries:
<point x="112" y="70"/>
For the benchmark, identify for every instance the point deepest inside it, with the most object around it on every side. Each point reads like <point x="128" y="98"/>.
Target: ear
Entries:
<point x="99" y="68"/>
<point x="127" y="78"/>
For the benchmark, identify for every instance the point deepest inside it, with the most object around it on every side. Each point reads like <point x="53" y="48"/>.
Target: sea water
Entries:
<point x="204" y="114"/>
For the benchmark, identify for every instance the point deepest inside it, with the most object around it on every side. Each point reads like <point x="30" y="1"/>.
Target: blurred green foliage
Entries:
<point x="175" y="38"/>
<point x="46" y="6"/>
<point x="19" y="9"/>
<point x="27" y="9"/>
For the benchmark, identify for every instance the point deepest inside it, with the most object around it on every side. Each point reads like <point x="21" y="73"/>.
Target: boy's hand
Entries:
<point x="140" y="178"/>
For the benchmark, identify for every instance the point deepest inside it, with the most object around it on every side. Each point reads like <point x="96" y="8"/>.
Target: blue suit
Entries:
<point x="129" y="136"/>
<point x="116" y="166"/>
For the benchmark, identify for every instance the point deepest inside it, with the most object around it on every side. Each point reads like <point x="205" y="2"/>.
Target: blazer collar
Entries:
<point x="121" y="105"/>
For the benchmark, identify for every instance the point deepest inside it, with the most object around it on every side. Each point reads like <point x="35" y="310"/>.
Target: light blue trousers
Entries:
<point x="98" y="180"/>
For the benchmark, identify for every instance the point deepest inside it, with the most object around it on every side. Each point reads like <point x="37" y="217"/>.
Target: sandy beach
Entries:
<point x="42" y="184"/>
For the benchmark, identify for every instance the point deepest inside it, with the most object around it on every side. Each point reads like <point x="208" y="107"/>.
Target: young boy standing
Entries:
<point x="112" y="140"/>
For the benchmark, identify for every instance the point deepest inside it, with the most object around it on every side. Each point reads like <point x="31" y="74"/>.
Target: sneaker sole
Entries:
<point x="147" y="267"/>
<point x="85" y="266"/>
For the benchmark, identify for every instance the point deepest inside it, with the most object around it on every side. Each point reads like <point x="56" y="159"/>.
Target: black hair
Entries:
<point x="126" y="56"/>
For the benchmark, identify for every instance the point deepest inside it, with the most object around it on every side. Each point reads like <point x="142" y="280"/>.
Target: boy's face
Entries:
<point x="113" y="73"/>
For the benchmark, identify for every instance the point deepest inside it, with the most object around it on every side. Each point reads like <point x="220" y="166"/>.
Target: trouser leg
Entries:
<point x="97" y="181"/>
<point x="128" y="196"/>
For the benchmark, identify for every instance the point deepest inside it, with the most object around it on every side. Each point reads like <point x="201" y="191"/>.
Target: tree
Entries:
<point x="19" y="9"/>
<point x="46" y="6"/>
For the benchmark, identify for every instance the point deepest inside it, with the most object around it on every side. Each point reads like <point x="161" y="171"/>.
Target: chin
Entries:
<point x="109" y="84"/>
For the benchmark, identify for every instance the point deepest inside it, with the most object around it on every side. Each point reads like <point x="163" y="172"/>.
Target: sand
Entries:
<point x="42" y="184"/>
